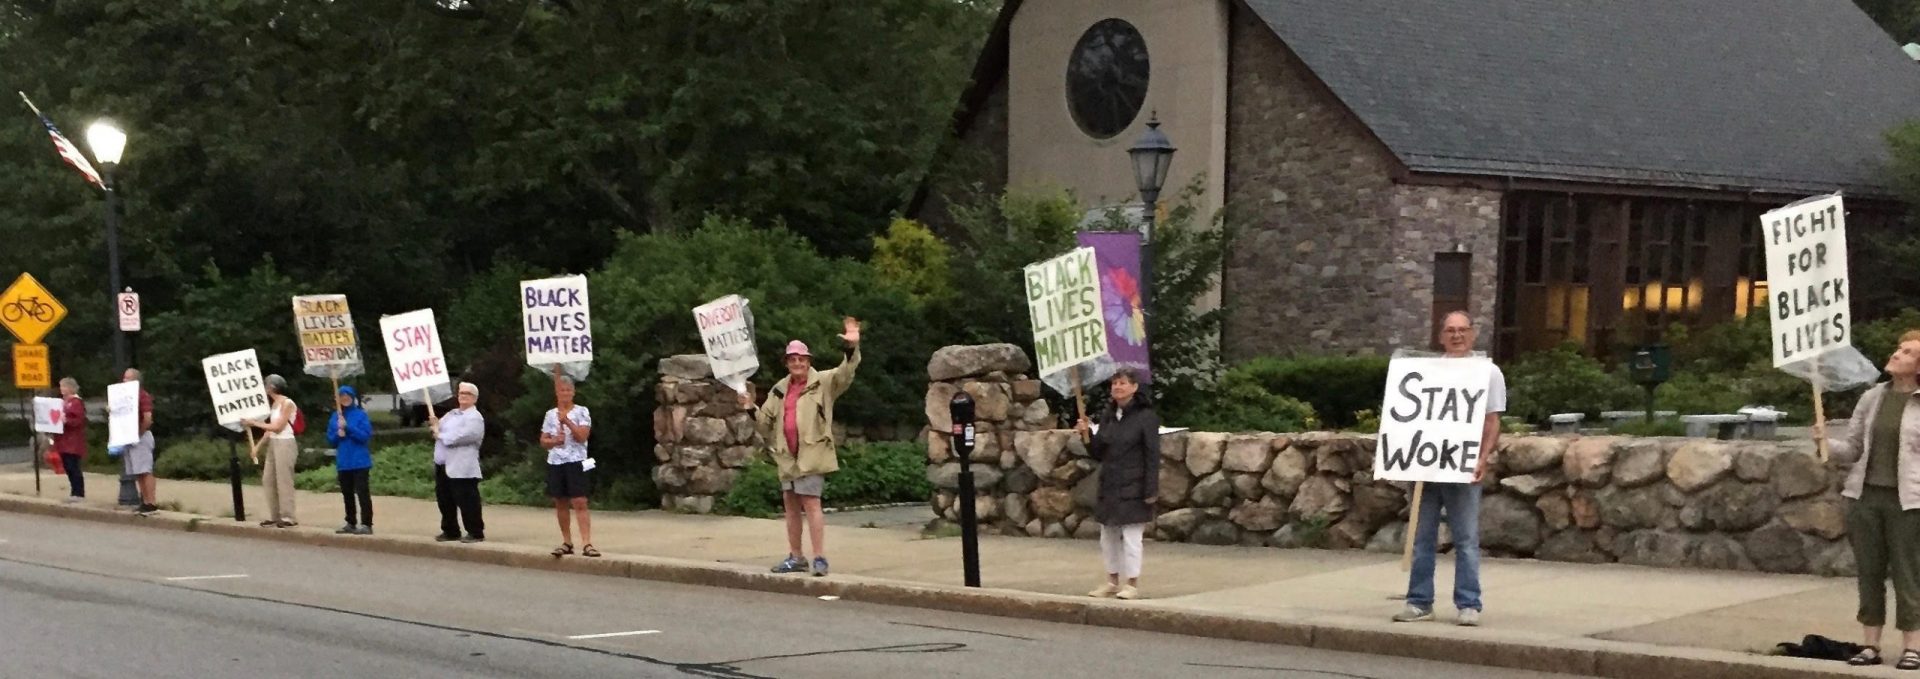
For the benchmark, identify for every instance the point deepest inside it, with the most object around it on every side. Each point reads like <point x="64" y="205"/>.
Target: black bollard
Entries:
<point x="962" y="411"/>
<point x="233" y="478"/>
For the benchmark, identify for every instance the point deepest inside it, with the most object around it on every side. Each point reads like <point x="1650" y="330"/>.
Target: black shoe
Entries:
<point x="473" y="539"/>
<point x="443" y="537"/>
<point x="146" y="510"/>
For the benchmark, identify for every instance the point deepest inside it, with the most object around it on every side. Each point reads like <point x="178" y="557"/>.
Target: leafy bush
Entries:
<point x="870" y="473"/>
<point x="1335" y="387"/>
<point x="404" y="470"/>
<point x="911" y="258"/>
<point x="1240" y="402"/>
<point x="1641" y="427"/>
<point x="1564" y="380"/>
<point x="196" y="459"/>
<point x="1366" y="421"/>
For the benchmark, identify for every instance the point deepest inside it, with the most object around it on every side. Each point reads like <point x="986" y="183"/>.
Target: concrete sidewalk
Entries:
<point x="1670" y="622"/>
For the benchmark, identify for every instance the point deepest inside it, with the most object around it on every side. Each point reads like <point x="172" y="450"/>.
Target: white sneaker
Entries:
<point x="1468" y="618"/>
<point x="1104" y="591"/>
<point x="71" y="500"/>
<point x="1413" y="613"/>
<point x="1128" y="593"/>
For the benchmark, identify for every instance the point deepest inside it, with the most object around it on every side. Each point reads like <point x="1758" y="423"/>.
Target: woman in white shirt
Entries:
<point x="276" y="475"/>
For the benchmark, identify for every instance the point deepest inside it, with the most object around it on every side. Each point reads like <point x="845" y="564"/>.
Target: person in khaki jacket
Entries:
<point x="796" y="421"/>
<point x="1883" y="508"/>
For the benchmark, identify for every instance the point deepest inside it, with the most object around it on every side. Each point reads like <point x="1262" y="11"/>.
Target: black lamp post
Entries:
<point x="1151" y="155"/>
<point x="108" y="142"/>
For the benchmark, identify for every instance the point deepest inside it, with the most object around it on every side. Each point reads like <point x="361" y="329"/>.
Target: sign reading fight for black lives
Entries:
<point x="1807" y="278"/>
<point x="1432" y="419"/>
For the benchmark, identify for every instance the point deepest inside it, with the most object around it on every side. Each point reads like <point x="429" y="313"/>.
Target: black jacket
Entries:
<point x="1128" y="448"/>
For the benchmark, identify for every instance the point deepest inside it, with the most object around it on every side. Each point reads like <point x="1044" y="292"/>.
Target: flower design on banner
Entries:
<point x="1125" y="318"/>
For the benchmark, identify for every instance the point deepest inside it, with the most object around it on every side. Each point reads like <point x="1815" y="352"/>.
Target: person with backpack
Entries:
<point x="350" y="432"/>
<point x="278" y="431"/>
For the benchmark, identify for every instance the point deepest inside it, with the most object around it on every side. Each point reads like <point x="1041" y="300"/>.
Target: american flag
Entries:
<point x="68" y="152"/>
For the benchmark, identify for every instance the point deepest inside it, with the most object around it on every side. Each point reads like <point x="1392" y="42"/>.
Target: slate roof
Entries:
<point x="1791" y="96"/>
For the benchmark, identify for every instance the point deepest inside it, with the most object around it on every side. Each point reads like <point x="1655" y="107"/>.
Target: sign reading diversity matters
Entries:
<point x="555" y="315"/>
<point x="239" y="391"/>
<point x="413" y="350"/>
<point x="1432" y="419"/>
<point x="123" y="413"/>
<point x="327" y="339"/>
<point x="1807" y="278"/>
<point x="726" y="329"/>
<point x="1063" y="299"/>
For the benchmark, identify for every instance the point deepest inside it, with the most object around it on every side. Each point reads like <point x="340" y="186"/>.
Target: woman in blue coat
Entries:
<point x="349" y="432"/>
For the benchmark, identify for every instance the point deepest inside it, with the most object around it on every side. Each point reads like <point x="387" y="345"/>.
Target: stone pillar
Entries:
<point x="1007" y="403"/>
<point x="702" y="437"/>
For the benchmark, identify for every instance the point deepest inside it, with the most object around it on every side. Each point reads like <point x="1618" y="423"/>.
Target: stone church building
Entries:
<point x="1567" y="170"/>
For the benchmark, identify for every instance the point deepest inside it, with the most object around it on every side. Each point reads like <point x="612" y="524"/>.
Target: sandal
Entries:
<point x="564" y="549"/>
<point x="590" y="551"/>
<point x="1909" y="660"/>
<point x="1867" y="656"/>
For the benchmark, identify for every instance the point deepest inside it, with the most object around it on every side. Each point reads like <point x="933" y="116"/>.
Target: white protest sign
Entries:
<point x="239" y="391"/>
<point x="413" y="349"/>
<point x="1807" y="278"/>
<point x="1432" y="418"/>
<point x="554" y="313"/>
<point x="1063" y="299"/>
<point x="726" y="330"/>
<point x="47" y="415"/>
<point x="328" y="341"/>
<point x="123" y="414"/>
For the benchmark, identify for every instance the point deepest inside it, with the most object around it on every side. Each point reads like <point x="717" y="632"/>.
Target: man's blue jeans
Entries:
<point x="1461" y="501"/>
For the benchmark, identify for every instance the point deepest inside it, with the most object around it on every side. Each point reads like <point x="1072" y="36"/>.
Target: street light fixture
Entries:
<point x="107" y="142"/>
<point x="1152" y="155"/>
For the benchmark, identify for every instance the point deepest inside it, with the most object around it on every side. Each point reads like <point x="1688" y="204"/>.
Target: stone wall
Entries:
<point x="702" y="437"/>
<point x="1698" y="503"/>
<point x="1330" y="243"/>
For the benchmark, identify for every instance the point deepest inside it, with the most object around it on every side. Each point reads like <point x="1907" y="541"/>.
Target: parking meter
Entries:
<point x="1651" y="366"/>
<point x="961" y="412"/>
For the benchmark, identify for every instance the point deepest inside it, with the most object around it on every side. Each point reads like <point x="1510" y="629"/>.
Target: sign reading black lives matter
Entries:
<point x="1063" y="299"/>
<point x="1807" y="278"/>
<point x="1432" y="419"/>
<point x="239" y="392"/>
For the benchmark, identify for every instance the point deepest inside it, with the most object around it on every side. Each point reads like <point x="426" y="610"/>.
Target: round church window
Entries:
<point x="1107" y="78"/>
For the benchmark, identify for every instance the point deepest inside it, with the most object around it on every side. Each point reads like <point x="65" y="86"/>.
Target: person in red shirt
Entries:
<point x="138" y="458"/>
<point x="71" y="442"/>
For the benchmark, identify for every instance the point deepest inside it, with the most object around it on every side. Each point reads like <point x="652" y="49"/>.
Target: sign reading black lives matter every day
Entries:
<point x="1807" y="278"/>
<point x="1063" y="298"/>
<point x="1432" y="419"/>
<point x="239" y="392"/>
<point x="328" y="342"/>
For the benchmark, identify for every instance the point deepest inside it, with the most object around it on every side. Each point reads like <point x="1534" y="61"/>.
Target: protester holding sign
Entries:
<point x="137" y="460"/>
<point x="564" y="434"/>
<point x="1452" y="407"/>
<point x="797" y="422"/>
<point x="350" y="432"/>
<point x="276" y="476"/>
<point x="456" y="467"/>
<point x="1128" y="448"/>
<point x="1883" y="517"/>
<point x="71" y="442"/>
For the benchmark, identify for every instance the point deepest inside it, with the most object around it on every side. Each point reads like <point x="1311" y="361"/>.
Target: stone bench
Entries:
<point x="1717" y="426"/>
<point x="1617" y="417"/>
<point x="1566" y="423"/>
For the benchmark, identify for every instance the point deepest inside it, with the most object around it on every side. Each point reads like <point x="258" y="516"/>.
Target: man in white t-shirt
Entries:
<point x="1460" y="501"/>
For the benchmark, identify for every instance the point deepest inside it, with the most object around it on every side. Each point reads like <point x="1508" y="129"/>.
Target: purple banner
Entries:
<point x="1117" y="253"/>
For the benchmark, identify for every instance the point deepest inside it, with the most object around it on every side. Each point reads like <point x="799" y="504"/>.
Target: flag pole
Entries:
<point x="30" y="106"/>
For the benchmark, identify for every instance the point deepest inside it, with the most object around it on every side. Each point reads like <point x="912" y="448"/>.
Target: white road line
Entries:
<point x="208" y="577"/>
<point x="634" y="633"/>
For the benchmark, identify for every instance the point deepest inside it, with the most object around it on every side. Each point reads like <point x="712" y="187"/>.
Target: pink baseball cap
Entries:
<point x="798" y="348"/>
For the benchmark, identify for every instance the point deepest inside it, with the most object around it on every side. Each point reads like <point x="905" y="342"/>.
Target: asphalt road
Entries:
<point x="81" y="599"/>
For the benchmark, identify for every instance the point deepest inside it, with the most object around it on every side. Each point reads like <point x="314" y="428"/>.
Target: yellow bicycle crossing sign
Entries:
<point x="29" y="311"/>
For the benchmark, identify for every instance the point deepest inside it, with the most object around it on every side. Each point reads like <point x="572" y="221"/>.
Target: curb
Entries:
<point x="1614" y="660"/>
